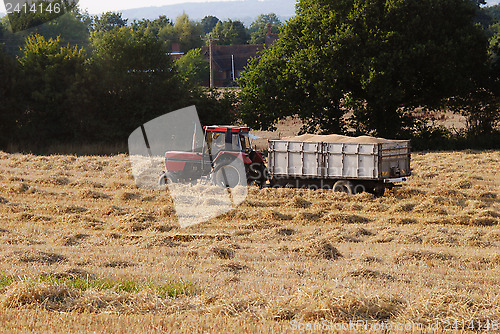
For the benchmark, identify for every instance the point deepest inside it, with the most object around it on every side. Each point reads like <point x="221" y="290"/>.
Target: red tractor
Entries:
<point x="226" y="154"/>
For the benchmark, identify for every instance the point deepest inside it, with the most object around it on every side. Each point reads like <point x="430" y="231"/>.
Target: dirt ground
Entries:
<point x="82" y="249"/>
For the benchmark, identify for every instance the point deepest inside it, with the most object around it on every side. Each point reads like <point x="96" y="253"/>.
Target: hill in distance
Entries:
<point x="244" y="10"/>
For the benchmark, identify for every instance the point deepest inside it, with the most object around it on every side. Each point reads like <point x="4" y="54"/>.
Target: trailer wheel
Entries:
<point x="343" y="186"/>
<point x="358" y="188"/>
<point x="379" y="191"/>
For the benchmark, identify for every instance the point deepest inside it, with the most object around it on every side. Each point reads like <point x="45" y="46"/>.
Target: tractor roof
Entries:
<point x="224" y="128"/>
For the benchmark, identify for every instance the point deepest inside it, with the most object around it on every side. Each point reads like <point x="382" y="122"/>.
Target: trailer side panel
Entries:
<point x="366" y="161"/>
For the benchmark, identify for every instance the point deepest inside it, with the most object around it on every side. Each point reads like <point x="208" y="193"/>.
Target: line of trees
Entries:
<point x="75" y="28"/>
<point x="81" y="79"/>
<point x="364" y="66"/>
<point x="343" y="66"/>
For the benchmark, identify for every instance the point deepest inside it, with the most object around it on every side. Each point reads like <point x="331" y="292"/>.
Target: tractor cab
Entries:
<point x="227" y="139"/>
<point x="222" y="146"/>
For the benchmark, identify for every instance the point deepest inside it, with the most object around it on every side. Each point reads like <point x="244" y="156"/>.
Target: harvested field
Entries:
<point x="82" y="249"/>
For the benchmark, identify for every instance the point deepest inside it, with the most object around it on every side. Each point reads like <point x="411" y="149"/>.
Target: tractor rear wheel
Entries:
<point x="227" y="175"/>
<point x="257" y="172"/>
<point x="263" y="179"/>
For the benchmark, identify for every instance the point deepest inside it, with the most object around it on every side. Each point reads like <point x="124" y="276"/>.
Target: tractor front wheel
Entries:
<point x="173" y="177"/>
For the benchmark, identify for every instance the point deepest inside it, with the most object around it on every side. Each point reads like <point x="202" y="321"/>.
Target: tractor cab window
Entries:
<point x="216" y="142"/>
<point x="245" y="141"/>
<point x="235" y="142"/>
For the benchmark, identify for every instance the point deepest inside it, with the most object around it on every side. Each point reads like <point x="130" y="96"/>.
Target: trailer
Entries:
<point x="347" y="164"/>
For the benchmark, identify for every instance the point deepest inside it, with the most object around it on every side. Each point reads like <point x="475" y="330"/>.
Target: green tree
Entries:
<point x="187" y="32"/>
<point x="194" y="66"/>
<point x="68" y="27"/>
<point x="258" y="28"/>
<point x="168" y="35"/>
<point x="480" y="106"/>
<point x="374" y="58"/>
<point x="215" y="106"/>
<point x="208" y="23"/>
<point x="134" y="81"/>
<point x="493" y="12"/>
<point x="8" y="95"/>
<point x="51" y="89"/>
<point x="230" y="32"/>
<point x="152" y="27"/>
<point x="72" y="28"/>
<point x="162" y="28"/>
<point x="108" y="21"/>
<point x="12" y="42"/>
<point x="84" y="17"/>
<point x="27" y="15"/>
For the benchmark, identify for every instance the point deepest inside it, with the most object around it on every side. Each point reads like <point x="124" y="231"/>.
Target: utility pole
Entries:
<point x="210" y="39"/>
<point x="232" y="65"/>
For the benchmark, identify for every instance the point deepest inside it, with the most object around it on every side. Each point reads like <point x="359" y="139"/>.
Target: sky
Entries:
<point x="100" y="6"/>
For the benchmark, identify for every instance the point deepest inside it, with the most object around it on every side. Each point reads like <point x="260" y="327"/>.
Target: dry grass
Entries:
<point x="83" y="249"/>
